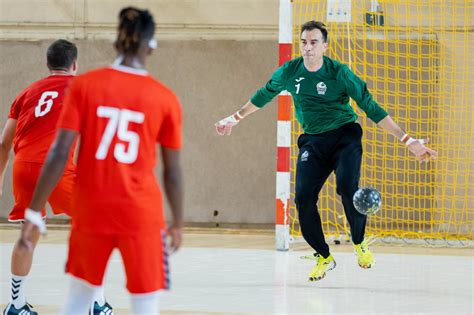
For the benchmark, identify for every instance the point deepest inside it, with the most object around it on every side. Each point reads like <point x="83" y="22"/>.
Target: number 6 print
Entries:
<point x="46" y="100"/>
<point x="118" y="124"/>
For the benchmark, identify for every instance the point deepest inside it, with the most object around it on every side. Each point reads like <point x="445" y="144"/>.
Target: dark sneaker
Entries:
<point x="25" y="310"/>
<point x="105" y="309"/>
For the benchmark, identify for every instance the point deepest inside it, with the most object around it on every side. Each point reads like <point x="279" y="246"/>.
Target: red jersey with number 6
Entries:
<point x="121" y="114"/>
<point x="37" y="111"/>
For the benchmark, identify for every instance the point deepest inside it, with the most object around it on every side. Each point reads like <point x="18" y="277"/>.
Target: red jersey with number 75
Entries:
<point x="121" y="114"/>
<point x="37" y="111"/>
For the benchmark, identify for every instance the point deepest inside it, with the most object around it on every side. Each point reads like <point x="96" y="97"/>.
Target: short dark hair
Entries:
<point x="311" y="25"/>
<point x="135" y="26"/>
<point x="61" y="54"/>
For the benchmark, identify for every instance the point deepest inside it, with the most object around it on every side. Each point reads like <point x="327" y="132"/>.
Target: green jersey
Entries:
<point x="321" y="98"/>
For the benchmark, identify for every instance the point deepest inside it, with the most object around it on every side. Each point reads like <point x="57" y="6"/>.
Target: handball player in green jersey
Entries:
<point x="321" y="89"/>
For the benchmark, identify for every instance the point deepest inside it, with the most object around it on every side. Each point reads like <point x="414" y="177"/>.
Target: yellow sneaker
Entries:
<point x="322" y="266"/>
<point x="364" y="255"/>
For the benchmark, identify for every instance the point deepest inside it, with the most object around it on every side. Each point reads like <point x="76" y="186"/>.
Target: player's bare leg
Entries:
<point x="22" y="259"/>
<point x="22" y="256"/>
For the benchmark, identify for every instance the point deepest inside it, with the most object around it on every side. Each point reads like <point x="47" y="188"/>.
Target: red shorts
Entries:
<point x="144" y="258"/>
<point x="25" y="176"/>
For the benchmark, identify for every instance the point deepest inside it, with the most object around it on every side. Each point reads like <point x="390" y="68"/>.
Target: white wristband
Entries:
<point x="238" y="115"/>
<point x="404" y="138"/>
<point x="35" y="218"/>
<point x="228" y="121"/>
<point x="409" y="141"/>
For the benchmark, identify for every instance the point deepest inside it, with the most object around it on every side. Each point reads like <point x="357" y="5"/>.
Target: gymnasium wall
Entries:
<point x="214" y="54"/>
<point x="213" y="58"/>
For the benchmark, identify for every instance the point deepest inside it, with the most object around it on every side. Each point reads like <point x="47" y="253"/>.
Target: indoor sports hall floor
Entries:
<point x="232" y="273"/>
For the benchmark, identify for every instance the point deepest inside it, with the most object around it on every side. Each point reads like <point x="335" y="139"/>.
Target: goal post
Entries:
<point x="415" y="58"/>
<point x="283" y="187"/>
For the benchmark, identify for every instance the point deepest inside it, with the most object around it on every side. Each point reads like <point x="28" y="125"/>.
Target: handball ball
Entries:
<point x="367" y="201"/>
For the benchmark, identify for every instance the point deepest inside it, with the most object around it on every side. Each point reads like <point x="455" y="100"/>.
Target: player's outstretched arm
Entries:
<point x="173" y="183"/>
<point x="224" y="126"/>
<point x="416" y="146"/>
<point x="6" y="143"/>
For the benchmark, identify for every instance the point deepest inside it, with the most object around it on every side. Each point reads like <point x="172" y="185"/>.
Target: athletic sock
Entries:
<point x="79" y="297"/>
<point x="145" y="303"/>
<point x="99" y="295"/>
<point x="18" y="298"/>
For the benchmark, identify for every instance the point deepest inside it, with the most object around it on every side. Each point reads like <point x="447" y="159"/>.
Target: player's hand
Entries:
<point x="175" y="232"/>
<point x="29" y="233"/>
<point x="224" y="126"/>
<point x="421" y="152"/>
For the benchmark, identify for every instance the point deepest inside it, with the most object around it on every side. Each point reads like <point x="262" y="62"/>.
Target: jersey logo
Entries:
<point x="298" y="80"/>
<point x="321" y="87"/>
<point x="304" y="156"/>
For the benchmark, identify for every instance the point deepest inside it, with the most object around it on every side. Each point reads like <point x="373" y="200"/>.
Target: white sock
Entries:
<point x="146" y="304"/>
<point x="79" y="298"/>
<point x="17" y="297"/>
<point x="99" y="295"/>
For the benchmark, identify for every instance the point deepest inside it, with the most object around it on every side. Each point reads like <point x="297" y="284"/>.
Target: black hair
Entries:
<point x="61" y="54"/>
<point x="135" y="26"/>
<point x="311" y="25"/>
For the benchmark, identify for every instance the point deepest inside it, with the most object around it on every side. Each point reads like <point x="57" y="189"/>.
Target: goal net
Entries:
<point x="416" y="57"/>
